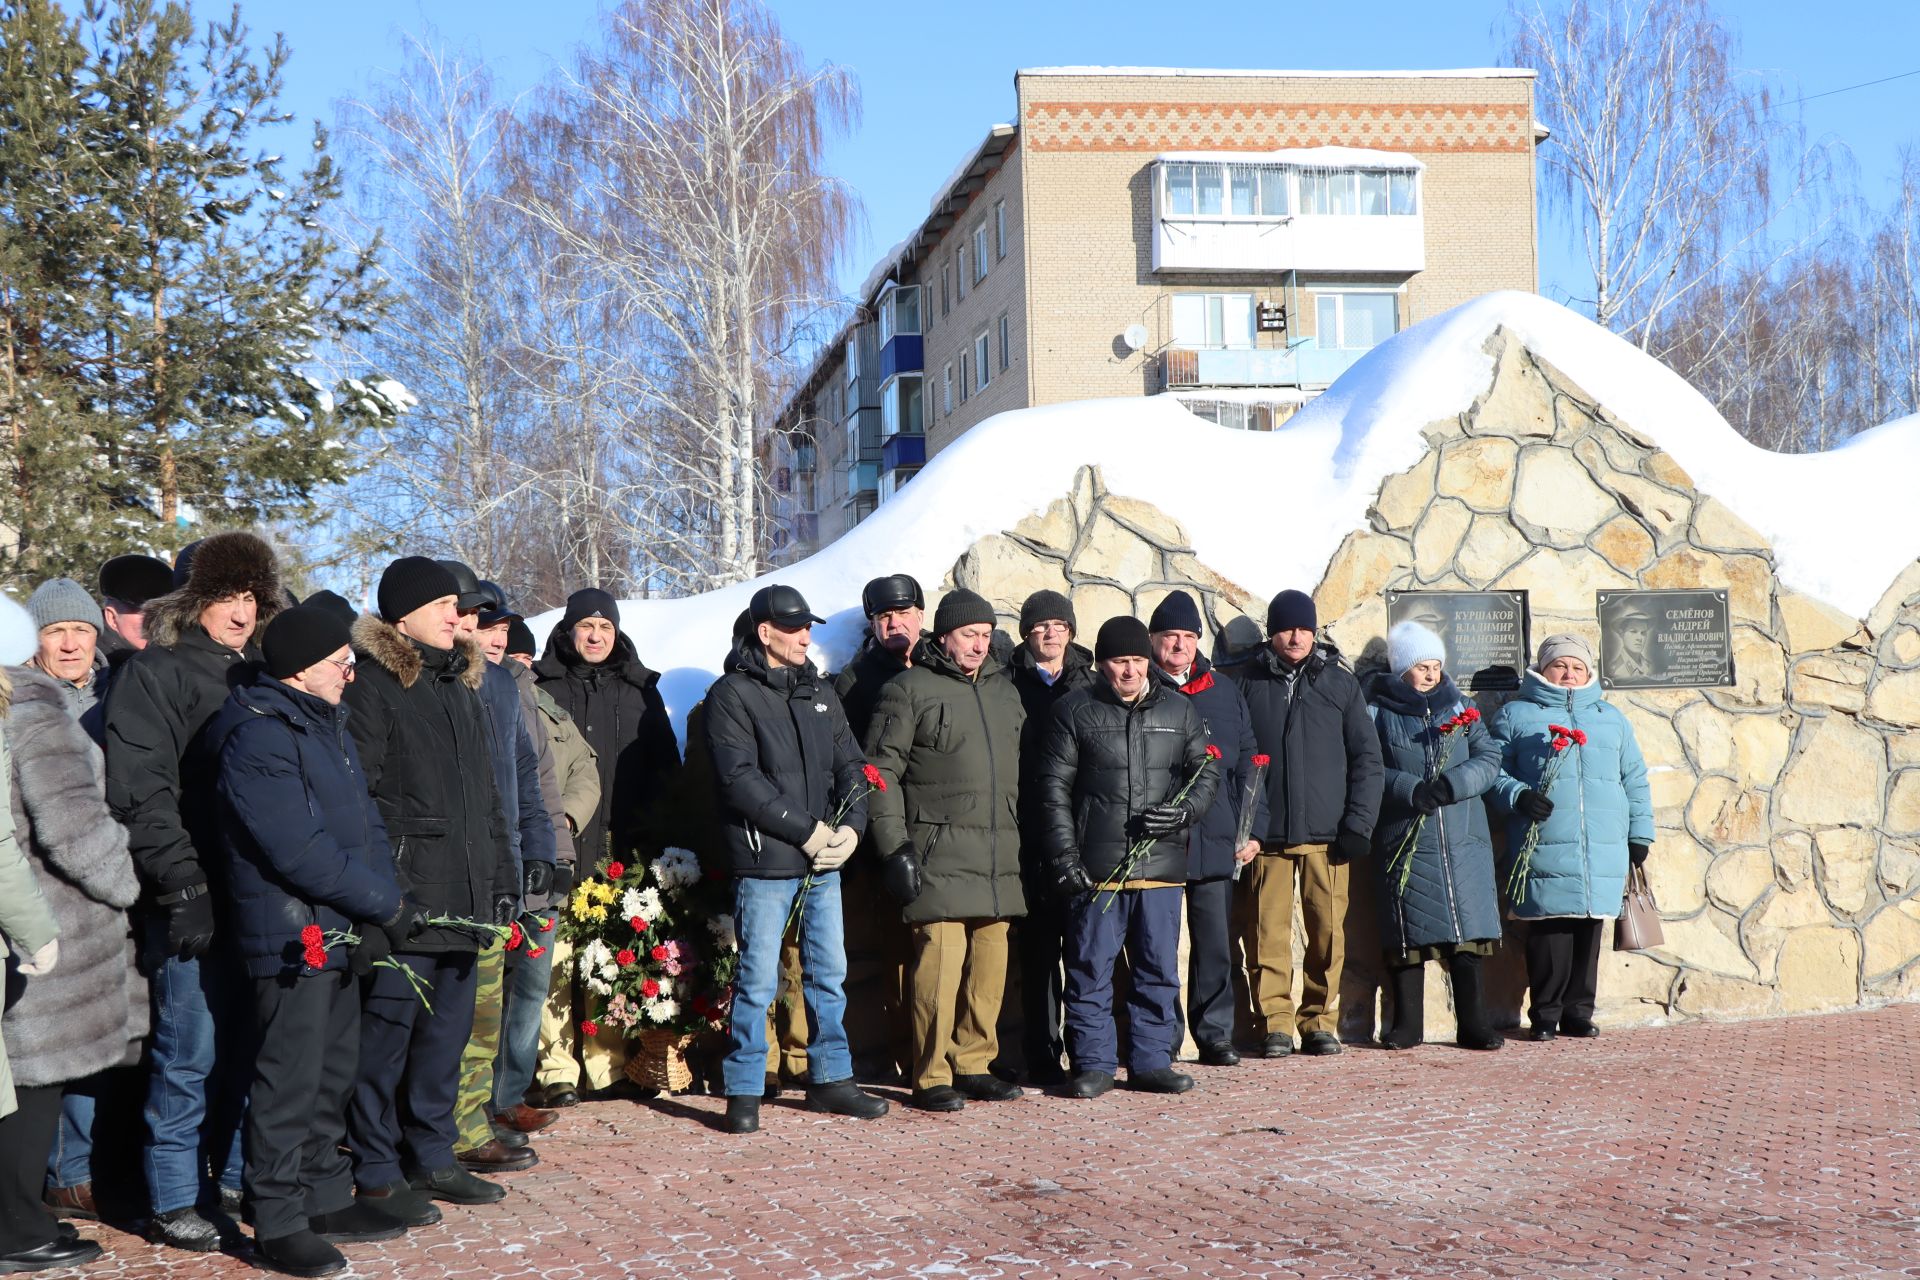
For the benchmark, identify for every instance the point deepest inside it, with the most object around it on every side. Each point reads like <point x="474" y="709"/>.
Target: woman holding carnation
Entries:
<point x="1571" y="767"/>
<point x="1433" y="856"/>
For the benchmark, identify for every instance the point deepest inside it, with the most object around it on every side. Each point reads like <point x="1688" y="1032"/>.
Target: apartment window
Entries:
<point x="1356" y="321"/>
<point x="900" y="407"/>
<point x="999" y="229"/>
<point x="960" y="274"/>
<point x="853" y="358"/>
<point x="1400" y="192"/>
<point x="899" y="313"/>
<point x="946" y="388"/>
<point x="1327" y="191"/>
<point x="982" y="360"/>
<point x="980" y="253"/>
<point x="1213" y="320"/>
<point x="963" y="377"/>
<point x="946" y="280"/>
<point x="1006" y="342"/>
<point x="1227" y="190"/>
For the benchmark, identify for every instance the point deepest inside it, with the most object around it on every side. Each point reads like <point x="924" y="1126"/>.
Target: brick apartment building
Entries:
<point x="1234" y="238"/>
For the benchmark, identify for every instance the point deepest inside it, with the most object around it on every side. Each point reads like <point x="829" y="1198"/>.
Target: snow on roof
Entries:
<point x="1456" y="73"/>
<point x="1837" y="520"/>
<point x="1304" y="157"/>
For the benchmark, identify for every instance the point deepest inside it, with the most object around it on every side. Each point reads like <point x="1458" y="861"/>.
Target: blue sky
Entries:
<point x="933" y="78"/>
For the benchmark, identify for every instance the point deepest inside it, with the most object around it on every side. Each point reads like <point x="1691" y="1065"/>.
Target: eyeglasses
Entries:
<point x="1049" y="629"/>
<point x="345" y="664"/>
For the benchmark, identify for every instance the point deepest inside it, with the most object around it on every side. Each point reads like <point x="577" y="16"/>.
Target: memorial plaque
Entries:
<point x="1665" y="639"/>
<point x="1485" y="632"/>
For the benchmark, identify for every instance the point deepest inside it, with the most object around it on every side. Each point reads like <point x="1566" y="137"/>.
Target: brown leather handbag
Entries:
<point x="1638" y="927"/>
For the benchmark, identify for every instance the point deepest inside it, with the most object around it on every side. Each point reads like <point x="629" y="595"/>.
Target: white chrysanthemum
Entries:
<point x="598" y="987"/>
<point x="594" y="956"/>
<point x="649" y="903"/>
<point x="676" y="869"/>
<point x="609" y="971"/>
<point x="666" y="985"/>
<point x="722" y="927"/>
<point x="662" y="1010"/>
<point x="632" y="902"/>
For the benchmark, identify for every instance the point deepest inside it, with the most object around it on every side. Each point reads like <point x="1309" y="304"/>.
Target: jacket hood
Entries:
<point x="1396" y="694"/>
<point x="871" y="650"/>
<point x="224" y="564"/>
<point x="383" y="644"/>
<point x="931" y="656"/>
<point x="1534" y="688"/>
<point x="561" y="658"/>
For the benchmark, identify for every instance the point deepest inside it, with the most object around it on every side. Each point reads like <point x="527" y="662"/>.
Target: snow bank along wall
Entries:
<point x="1788" y="860"/>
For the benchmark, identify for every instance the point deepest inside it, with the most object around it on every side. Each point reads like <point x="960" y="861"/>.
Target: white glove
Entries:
<point x="820" y="838"/>
<point x="42" y="961"/>
<point x="839" y="848"/>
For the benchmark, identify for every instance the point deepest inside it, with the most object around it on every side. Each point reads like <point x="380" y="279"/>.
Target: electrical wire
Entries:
<point x="1867" y="84"/>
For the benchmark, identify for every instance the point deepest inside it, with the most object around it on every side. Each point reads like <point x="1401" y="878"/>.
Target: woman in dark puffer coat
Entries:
<point x="1449" y="909"/>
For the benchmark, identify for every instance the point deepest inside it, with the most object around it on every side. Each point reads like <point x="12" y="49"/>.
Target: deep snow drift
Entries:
<point x="1268" y="510"/>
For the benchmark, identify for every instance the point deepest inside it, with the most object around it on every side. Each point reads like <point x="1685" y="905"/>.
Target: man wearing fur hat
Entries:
<point x="160" y="786"/>
<point x="1323" y="795"/>
<point x="422" y="732"/>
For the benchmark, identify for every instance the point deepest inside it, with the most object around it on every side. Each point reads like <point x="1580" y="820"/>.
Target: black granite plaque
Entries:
<point x="1485" y="632"/>
<point x="1665" y="639"/>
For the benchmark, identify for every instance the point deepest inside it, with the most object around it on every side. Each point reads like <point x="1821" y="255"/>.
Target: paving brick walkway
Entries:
<point x="1763" y="1149"/>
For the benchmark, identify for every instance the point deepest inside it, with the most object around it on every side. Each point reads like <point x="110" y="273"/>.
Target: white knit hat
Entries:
<point x="1410" y="644"/>
<point x="19" y="638"/>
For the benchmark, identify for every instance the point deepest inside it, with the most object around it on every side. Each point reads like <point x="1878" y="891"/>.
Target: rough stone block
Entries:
<point x="1892" y="937"/>
<point x="1716" y="528"/>
<point x="1659" y="465"/>
<point x="1708" y="734"/>
<point x="1819" y="968"/>
<point x="1365" y="565"/>
<point x="1479" y="472"/>
<point x="1006" y="573"/>
<point x="1564" y="582"/>
<point x="1146" y="520"/>
<point x="1895" y="698"/>
<point x="1438" y="536"/>
<point x="1724" y="814"/>
<point x="1707" y="942"/>
<point x="1519" y="402"/>
<point x="1054" y="528"/>
<point x="1738" y="877"/>
<point x="1759" y="670"/>
<point x="1903" y="803"/>
<point x="1811" y="624"/>
<point x="1554" y="493"/>
<point x="1839" y="778"/>
<point x="1626" y="545"/>
<point x="1491" y="547"/>
<point x="1846" y="865"/>
<point x="1760" y="745"/>
<point x="1664" y="511"/>
<point x="1116" y="554"/>
<point x="1826" y="681"/>
<point x="1677" y="873"/>
<point x="1404" y="496"/>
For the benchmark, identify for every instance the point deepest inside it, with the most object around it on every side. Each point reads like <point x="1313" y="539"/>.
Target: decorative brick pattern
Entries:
<point x="1218" y="126"/>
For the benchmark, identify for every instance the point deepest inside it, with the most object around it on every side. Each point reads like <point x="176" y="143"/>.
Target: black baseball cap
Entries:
<point x="782" y="606"/>
<point x="468" y="582"/>
<point x="895" y="591"/>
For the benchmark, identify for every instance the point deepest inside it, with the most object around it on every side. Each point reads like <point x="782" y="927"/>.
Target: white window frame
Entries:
<point x="999" y="230"/>
<point x="963" y="377"/>
<point x="960" y="273"/>
<point x="1006" y="342"/>
<point x="1216" y="302"/>
<point x="1339" y="298"/>
<point x="946" y="388"/>
<point x="982" y="360"/>
<point x="980" y="260"/>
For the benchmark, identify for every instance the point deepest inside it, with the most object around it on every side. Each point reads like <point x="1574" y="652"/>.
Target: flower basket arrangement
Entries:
<point x="653" y="947"/>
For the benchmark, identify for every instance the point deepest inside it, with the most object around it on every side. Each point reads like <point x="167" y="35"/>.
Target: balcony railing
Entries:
<point x="1304" y="365"/>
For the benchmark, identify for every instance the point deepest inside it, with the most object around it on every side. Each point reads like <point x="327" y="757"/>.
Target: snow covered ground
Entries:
<point x="1268" y="509"/>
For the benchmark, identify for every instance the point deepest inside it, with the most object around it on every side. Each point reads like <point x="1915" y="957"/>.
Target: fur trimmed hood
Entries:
<point x="382" y="643"/>
<point x="223" y="564"/>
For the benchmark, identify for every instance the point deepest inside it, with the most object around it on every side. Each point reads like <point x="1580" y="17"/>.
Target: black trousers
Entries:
<point x="1210" y="961"/>
<point x="26" y="1136"/>
<point x="408" y="1086"/>
<point x="303" y="1076"/>
<point x="1040" y="938"/>
<point x="1563" y="969"/>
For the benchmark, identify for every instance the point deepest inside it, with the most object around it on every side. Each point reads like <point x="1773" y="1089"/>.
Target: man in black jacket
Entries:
<point x="160" y="785"/>
<point x="1046" y="667"/>
<point x="1323" y="795"/>
<point x="422" y="733"/>
<point x="1124" y="773"/>
<point x="879" y="1033"/>
<point x="793" y="805"/>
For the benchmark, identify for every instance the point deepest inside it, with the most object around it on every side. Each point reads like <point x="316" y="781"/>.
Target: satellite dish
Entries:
<point x="1135" y="336"/>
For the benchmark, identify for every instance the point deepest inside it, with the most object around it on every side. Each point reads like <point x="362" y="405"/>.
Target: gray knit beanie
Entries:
<point x="64" y="600"/>
<point x="1563" y="645"/>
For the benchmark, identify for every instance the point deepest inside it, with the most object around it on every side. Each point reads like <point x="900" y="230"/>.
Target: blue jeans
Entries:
<point x="197" y="1082"/>
<point x="527" y="977"/>
<point x="1147" y="923"/>
<point x="70" y="1163"/>
<point x="759" y="920"/>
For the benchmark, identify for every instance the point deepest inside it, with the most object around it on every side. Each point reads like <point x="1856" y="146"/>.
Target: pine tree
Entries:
<point x="201" y="280"/>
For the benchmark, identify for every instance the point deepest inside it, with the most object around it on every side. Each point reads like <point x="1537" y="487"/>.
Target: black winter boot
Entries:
<point x="1472" y="1026"/>
<point x="844" y="1098"/>
<point x="301" y="1254"/>
<point x="1408" y="983"/>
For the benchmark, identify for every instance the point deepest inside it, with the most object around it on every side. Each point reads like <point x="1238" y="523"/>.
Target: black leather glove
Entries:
<point x="505" y="907"/>
<point x="1424" y="801"/>
<point x="373" y="947"/>
<point x="900" y="873"/>
<point x="1637" y="854"/>
<point x="536" y="879"/>
<point x="1161" y="820"/>
<point x="1070" y="880"/>
<point x="1534" y="805"/>
<point x="406" y="923"/>
<point x="1346" y="847"/>
<point x="562" y="880"/>
<point x="189" y="920"/>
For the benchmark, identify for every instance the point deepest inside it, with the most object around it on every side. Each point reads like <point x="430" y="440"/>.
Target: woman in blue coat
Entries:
<point x="1449" y="908"/>
<point x="1595" y="821"/>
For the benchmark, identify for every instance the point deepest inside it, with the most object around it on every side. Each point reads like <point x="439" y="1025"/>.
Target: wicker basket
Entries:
<point x="658" y="1060"/>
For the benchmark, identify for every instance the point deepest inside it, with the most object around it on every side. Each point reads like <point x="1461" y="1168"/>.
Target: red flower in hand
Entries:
<point x="615" y="870"/>
<point x="1213" y="752"/>
<point x="1470" y="715"/>
<point x="535" y="953"/>
<point x="1580" y="737"/>
<point x="312" y="936"/>
<point x="1262" y="760"/>
<point x="650" y="988"/>
<point x="589" y="1028"/>
<point x="1560" y="742"/>
<point x="873" y="777"/>
<point x="625" y="957"/>
<point x="514" y="937"/>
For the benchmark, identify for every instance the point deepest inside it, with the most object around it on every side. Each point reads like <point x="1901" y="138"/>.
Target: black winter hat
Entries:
<point x="961" y="608"/>
<point x="1046" y="606"/>
<point x="334" y="604"/>
<point x="1122" y="637"/>
<point x="781" y="605"/>
<point x="1292" y="611"/>
<point x="895" y="591"/>
<point x="471" y="594"/>
<point x="410" y="582"/>
<point x="300" y="637"/>
<point x="134" y="580"/>
<point x="520" y="637"/>
<point x="590" y="602"/>
<point x="1177" y="612"/>
<point x="495" y="611"/>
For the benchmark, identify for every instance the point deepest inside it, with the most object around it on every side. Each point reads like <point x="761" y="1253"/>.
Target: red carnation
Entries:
<point x="546" y="926"/>
<point x="514" y="937"/>
<point x="312" y="936"/>
<point x="1262" y="761"/>
<point x="624" y="957"/>
<point x="637" y="923"/>
<point x="615" y="870"/>
<point x="873" y="777"/>
<point x="650" y="988"/>
<point x="658" y="953"/>
<point x="589" y="1028"/>
<point x="1470" y="715"/>
<point x="1213" y="752"/>
<point x="1580" y="737"/>
<point x="1560" y="742"/>
<point x="536" y="952"/>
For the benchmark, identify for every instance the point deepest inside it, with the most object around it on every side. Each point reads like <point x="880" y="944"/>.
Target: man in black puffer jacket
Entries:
<point x="1112" y="762"/>
<point x="1323" y="794"/>
<point x="422" y="733"/>
<point x="784" y="764"/>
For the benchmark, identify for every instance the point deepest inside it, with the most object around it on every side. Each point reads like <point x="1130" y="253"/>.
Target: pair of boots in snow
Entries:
<point x="1473" y="1030"/>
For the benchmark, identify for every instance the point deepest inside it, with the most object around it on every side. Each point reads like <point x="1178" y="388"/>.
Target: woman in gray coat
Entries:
<point x="1437" y="898"/>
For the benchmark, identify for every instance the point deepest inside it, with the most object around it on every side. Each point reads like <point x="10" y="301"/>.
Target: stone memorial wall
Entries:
<point x="1788" y="804"/>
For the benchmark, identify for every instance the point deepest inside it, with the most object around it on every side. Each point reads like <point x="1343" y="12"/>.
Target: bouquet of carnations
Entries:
<point x="871" y="781"/>
<point x="1563" y="737"/>
<point x="1400" y="866"/>
<point x="1138" y="849"/>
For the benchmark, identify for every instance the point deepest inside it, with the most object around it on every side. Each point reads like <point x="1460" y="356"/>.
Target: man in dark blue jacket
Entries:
<point x="304" y="855"/>
<point x="1215" y="851"/>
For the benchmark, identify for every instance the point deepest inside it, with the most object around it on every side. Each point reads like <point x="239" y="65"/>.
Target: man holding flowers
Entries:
<point x="1125" y="770"/>
<point x="792" y="798"/>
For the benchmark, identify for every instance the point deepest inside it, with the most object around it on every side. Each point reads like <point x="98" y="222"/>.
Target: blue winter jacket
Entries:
<point x="300" y="836"/>
<point x="1229" y="725"/>
<point x="1451" y="894"/>
<point x="1601" y="801"/>
<point x="516" y="772"/>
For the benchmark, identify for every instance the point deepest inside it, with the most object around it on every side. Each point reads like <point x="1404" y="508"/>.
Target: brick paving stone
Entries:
<point x="1783" y="1149"/>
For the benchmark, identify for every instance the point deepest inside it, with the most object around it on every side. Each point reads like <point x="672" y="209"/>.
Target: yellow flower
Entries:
<point x="602" y="891"/>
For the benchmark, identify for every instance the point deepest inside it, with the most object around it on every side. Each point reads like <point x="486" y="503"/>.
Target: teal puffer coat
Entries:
<point x="1601" y="801"/>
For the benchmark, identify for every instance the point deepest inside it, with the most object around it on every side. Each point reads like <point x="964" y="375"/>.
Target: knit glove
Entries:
<point x="845" y="840"/>
<point x="1347" y="846"/>
<point x="817" y="840"/>
<point x="1534" y="805"/>
<point x="406" y="923"/>
<point x="1637" y="854"/>
<point x="373" y="947"/>
<point x="900" y="874"/>
<point x="562" y="881"/>
<point x="1424" y="801"/>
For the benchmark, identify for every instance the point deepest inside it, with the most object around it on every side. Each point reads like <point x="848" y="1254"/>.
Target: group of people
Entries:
<point x="287" y="875"/>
